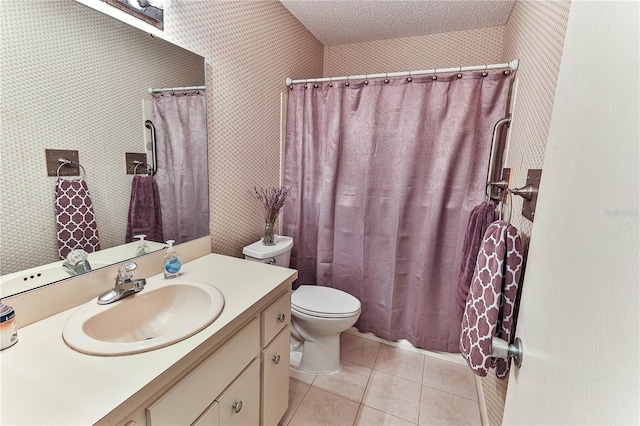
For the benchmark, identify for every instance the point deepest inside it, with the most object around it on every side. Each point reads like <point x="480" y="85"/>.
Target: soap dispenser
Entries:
<point x="142" y="248"/>
<point x="172" y="262"/>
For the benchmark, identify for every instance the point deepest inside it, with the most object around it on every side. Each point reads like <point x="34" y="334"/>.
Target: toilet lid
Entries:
<point x="324" y="302"/>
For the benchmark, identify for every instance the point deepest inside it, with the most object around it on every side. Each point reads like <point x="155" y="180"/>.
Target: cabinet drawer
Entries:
<point x="275" y="318"/>
<point x="240" y="403"/>
<point x="186" y="401"/>
<point x="275" y="379"/>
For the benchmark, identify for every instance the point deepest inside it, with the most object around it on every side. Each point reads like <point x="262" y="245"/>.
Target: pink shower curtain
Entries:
<point x="383" y="178"/>
<point x="180" y="121"/>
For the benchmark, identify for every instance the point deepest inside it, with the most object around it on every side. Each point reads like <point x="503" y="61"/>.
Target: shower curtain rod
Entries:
<point x="176" y="89"/>
<point x="513" y="65"/>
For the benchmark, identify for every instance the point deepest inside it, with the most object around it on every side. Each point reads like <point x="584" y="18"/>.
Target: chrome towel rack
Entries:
<point x="153" y="167"/>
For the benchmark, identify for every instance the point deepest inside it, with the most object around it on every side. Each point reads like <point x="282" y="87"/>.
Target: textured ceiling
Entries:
<point x="350" y="21"/>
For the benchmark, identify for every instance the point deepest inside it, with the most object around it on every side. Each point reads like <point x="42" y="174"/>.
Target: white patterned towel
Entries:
<point x="75" y="221"/>
<point x="492" y="297"/>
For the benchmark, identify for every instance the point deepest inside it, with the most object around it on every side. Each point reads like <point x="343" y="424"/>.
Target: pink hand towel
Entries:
<point x="75" y="220"/>
<point x="492" y="296"/>
<point x="144" y="210"/>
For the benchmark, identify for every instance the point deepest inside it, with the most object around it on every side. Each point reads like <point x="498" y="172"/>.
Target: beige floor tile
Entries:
<point x="301" y="376"/>
<point x="450" y="377"/>
<point x="400" y="362"/>
<point x="350" y="382"/>
<point x="359" y="350"/>
<point x="319" y="408"/>
<point x="441" y="408"/>
<point x="368" y="416"/>
<point x="393" y="395"/>
<point x="297" y="391"/>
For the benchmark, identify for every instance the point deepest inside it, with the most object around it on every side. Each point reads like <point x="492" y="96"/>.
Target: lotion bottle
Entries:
<point x="171" y="261"/>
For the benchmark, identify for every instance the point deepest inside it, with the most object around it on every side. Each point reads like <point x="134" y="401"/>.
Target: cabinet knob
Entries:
<point x="276" y="359"/>
<point x="282" y="317"/>
<point x="237" y="406"/>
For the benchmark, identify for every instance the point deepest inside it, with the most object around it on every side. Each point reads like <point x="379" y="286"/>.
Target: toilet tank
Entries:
<point x="278" y="254"/>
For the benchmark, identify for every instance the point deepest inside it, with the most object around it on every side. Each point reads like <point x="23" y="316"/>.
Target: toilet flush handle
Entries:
<point x="272" y="261"/>
<point x="282" y="317"/>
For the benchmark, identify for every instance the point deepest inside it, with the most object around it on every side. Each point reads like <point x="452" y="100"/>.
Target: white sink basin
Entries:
<point x="168" y="312"/>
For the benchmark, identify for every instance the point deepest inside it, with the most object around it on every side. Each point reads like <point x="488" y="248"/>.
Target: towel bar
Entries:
<point x="501" y="349"/>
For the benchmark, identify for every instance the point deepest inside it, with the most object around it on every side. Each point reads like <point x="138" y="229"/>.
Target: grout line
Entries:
<point x="293" y="413"/>
<point x="450" y="393"/>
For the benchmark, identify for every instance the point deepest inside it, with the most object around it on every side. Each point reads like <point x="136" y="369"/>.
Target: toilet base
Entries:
<point x="318" y="357"/>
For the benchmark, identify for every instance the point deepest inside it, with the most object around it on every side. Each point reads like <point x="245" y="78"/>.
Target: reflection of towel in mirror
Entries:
<point x="479" y="220"/>
<point x="492" y="297"/>
<point x="75" y="220"/>
<point x="144" y="210"/>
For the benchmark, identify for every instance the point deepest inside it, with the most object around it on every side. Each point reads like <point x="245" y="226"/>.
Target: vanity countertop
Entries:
<point x="43" y="381"/>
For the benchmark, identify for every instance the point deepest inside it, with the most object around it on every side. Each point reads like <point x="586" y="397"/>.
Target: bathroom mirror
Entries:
<point x="74" y="79"/>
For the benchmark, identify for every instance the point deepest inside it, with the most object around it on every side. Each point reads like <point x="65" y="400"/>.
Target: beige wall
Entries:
<point x="534" y="34"/>
<point x="250" y="47"/>
<point x="460" y="48"/>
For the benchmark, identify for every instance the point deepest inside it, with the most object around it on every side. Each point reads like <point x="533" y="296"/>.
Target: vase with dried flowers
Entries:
<point x="272" y="200"/>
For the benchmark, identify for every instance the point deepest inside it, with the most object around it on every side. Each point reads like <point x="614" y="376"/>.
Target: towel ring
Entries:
<point x="138" y="164"/>
<point x="64" y="162"/>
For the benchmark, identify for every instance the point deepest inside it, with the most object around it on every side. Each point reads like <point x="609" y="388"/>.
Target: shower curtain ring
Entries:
<point x="366" y="79"/>
<point x="459" y="72"/>
<point x="347" y="83"/>
<point x="434" y="77"/>
<point x="330" y="83"/>
<point x="409" y="79"/>
<point x="485" y="73"/>
<point x="386" y="78"/>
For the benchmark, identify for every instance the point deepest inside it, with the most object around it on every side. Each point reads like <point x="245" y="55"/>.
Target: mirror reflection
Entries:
<point x="76" y="79"/>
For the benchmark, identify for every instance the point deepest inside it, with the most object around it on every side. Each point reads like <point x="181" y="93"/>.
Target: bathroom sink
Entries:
<point x="156" y="317"/>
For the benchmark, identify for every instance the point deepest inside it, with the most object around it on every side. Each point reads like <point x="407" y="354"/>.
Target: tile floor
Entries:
<point x="382" y="384"/>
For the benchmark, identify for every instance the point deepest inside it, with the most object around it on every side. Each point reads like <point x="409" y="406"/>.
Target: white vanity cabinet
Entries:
<point x="185" y="402"/>
<point x="244" y="382"/>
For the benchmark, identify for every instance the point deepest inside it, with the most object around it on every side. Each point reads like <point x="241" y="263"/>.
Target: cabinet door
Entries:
<point x="210" y="417"/>
<point x="275" y="379"/>
<point x="240" y="403"/>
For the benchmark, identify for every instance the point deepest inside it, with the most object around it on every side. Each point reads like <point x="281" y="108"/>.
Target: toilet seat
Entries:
<point x="324" y="302"/>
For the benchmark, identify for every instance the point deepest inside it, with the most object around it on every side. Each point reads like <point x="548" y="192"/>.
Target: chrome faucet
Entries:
<point x="76" y="263"/>
<point x="124" y="286"/>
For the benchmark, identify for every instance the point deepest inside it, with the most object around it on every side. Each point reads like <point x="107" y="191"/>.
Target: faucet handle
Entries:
<point x="76" y="256"/>
<point x="127" y="271"/>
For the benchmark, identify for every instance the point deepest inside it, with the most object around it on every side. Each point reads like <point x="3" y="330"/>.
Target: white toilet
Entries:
<point x="318" y="314"/>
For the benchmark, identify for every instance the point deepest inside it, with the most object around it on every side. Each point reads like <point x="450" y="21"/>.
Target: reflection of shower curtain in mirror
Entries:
<point x="182" y="176"/>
